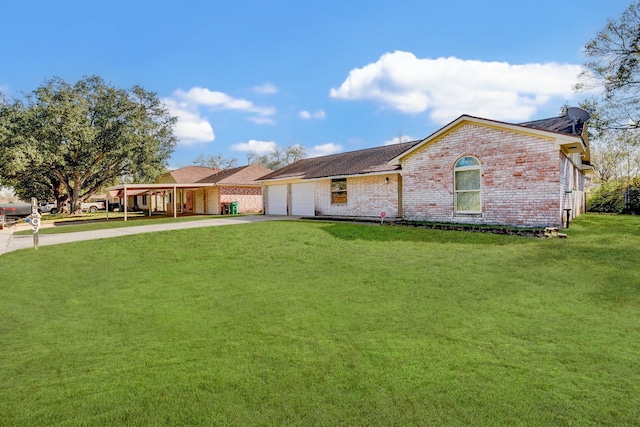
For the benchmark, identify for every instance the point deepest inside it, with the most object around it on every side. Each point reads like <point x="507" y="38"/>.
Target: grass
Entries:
<point x="295" y="323"/>
<point x="88" y="222"/>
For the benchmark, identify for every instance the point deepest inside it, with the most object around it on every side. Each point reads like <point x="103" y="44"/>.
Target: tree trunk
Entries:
<point x="61" y="198"/>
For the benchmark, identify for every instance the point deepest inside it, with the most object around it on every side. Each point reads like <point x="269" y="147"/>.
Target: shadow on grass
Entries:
<point x="386" y="233"/>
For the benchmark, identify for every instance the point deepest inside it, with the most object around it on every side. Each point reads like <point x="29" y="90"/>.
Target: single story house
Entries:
<point x="472" y="171"/>
<point x="197" y="190"/>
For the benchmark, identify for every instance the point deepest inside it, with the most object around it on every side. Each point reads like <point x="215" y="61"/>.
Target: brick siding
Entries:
<point x="249" y="198"/>
<point x="520" y="178"/>
<point x="366" y="196"/>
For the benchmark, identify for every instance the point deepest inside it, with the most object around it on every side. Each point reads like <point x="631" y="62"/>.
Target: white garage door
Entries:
<point x="302" y="199"/>
<point x="277" y="200"/>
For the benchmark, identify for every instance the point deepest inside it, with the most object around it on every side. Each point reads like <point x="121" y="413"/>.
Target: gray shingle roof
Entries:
<point x="377" y="159"/>
<point x="561" y="124"/>
<point x="243" y="175"/>
<point x="359" y="162"/>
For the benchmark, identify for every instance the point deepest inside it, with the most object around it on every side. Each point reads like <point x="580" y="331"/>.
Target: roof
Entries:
<point x="367" y="161"/>
<point x="244" y="175"/>
<point x="387" y="158"/>
<point x="562" y="124"/>
<point x="188" y="174"/>
<point x="559" y="129"/>
<point x="241" y="176"/>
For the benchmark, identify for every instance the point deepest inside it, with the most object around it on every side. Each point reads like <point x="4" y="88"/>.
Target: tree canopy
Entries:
<point x="613" y="64"/>
<point x="215" y="161"/>
<point x="70" y="141"/>
<point x="278" y="157"/>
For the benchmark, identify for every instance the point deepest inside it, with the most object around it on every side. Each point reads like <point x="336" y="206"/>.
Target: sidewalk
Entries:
<point x="10" y="243"/>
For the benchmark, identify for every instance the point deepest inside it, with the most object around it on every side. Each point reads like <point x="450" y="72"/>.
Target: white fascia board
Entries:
<point x="560" y="139"/>
<point x="158" y="186"/>
<point x="277" y="180"/>
<point x="396" y="172"/>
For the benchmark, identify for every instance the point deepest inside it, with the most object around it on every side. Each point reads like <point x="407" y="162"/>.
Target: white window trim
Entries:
<point x="455" y="192"/>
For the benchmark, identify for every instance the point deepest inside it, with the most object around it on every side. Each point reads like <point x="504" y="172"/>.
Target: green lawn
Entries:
<point x="98" y="221"/>
<point x="306" y="323"/>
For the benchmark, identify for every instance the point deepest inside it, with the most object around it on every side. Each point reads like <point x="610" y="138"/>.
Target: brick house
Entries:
<point x="472" y="170"/>
<point x="197" y="190"/>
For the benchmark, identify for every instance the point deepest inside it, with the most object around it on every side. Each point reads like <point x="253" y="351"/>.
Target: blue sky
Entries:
<point x="329" y="75"/>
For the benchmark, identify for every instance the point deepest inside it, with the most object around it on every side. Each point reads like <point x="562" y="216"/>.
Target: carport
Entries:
<point x="174" y="191"/>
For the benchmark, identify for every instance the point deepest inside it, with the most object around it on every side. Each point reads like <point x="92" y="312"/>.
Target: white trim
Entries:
<point x="560" y="139"/>
<point x="275" y="180"/>
<point x="478" y="168"/>
<point x="359" y="175"/>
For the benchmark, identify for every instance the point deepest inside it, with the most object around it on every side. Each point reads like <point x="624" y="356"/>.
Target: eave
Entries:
<point x="566" y="143"/>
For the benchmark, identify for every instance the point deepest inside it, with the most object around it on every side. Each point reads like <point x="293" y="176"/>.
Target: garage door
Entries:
<point x="302" y="199"/>
<point x="277" y="200"/>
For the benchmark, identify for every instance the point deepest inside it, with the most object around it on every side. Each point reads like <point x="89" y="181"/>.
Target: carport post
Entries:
<point x="175" y="204"/>
<point x="125" y="202"/>
<point x="149" y="201"/>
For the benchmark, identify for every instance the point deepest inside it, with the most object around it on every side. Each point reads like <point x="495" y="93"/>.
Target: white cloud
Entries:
<point x="208" y="98"/>
<point x="262" y="120"/>
<point x="266" y="89"/>
<point x="398" y="140"/>
<point x="449" y="87"/>
<point x="304" y="114"/>
<point x="324" y="150"/>
<point x="260" y="147"/>
<point x="191" y="128"/>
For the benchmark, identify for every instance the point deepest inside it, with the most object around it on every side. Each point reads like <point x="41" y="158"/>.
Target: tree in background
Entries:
<point x="215" y="161"/>
<point x="73" y="140"/>
<point x="278" y="157"/>
<point x="614" y="66"/>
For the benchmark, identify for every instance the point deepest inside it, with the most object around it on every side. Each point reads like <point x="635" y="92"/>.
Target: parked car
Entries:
<point x="48" y="207"/>
<point x="115" y="207"/>
<point x="92" y="206"/>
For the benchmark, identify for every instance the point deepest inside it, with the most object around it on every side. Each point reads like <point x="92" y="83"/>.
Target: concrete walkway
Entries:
<point x="9" y="242"/>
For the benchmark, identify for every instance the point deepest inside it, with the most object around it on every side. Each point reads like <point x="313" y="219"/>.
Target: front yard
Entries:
<point x="297" y="323"/>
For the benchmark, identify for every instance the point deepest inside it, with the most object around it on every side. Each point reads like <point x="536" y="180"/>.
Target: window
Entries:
<point x="339" y="190"/>
<point x="467" y="185"/>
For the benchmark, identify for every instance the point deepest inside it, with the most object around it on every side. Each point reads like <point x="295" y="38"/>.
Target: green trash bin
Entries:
<point x="233" y="208"/>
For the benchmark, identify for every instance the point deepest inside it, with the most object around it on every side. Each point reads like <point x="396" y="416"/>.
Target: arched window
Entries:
<point x="467" y="185"/>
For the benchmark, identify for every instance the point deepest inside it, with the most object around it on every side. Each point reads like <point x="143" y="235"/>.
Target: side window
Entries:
<point x="339" y="190"/>
<point x="467" y="185"/>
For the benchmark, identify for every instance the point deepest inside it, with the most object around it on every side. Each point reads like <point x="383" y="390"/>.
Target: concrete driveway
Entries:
<point x="9" y="242"/>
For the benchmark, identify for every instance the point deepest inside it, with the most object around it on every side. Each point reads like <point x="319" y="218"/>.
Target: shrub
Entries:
<point x="615" y="197"/>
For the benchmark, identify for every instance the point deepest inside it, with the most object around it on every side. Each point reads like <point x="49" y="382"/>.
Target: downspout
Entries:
<point x="400" y="210"/>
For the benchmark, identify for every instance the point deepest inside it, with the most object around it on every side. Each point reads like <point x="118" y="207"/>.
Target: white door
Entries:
<point x="277" y="199"/>
<point x="302" y="199"/>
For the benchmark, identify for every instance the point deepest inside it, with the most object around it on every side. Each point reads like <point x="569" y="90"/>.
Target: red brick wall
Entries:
<point x="520" y="178"/>
<point x="366" y="196"/>
<point x="249" y="198"/>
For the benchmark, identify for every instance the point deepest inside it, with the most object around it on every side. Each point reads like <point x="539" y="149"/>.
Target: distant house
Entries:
<point x="197" y="190"/>
<point x="472" y="170"/>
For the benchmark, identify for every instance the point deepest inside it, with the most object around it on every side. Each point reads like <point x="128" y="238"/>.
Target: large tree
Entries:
<point x="76" y="139"/>
<point x="613" y="65"/>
